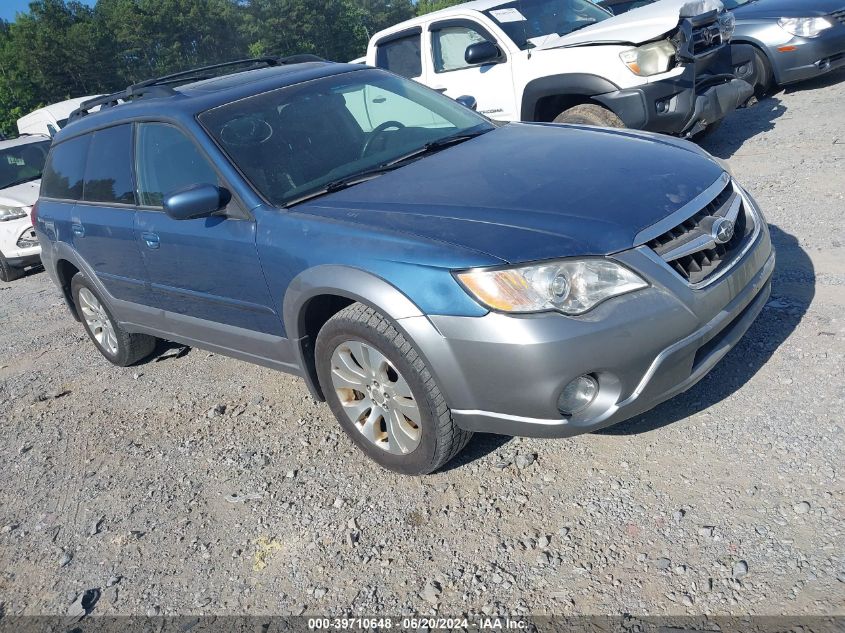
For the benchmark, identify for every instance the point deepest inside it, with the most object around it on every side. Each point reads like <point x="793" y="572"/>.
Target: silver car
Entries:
<point x="794" y="40"/>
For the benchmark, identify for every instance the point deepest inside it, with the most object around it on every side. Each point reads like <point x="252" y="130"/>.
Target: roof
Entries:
<point x="475" y="5"/>
<point x="189" y="100"/>
<point x="23" y="140"/>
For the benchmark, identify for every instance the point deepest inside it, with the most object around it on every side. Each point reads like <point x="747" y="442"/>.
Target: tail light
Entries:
<point x="33" y="214"/>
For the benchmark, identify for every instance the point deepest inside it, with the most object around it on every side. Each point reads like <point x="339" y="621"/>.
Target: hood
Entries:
<point x="531" y="191"/>
<point x="639" y="25"/>
<point x="22" y="195"/>
<point x="787" y="9"/>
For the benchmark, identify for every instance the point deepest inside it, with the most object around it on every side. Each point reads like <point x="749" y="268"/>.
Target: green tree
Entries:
<point x="428" y="6"/>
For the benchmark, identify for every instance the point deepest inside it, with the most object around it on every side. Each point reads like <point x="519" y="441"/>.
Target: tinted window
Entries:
<point x="401" y="56"/>
<point x="167" y="161"/>
<point x="65" y="166"/>
<point x="108" y="174"/>
<point x="22" y="163"/>
<point x="450" y="44"/>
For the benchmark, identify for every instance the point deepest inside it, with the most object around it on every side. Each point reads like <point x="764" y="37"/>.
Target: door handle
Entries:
<point x="151" y="240"/>
<point x="440" y="90"/>
<point x="78" y="229"/>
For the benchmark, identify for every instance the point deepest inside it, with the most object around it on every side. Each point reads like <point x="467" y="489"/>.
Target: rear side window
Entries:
<point x="63" y="175"/>
<point x="401" y="56"/>
<point x="166" y="161"/>
<point x="108" y="174"/>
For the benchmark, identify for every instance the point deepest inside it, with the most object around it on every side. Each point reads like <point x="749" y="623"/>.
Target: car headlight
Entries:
<point x="804" y="27"/>
<point x="12" y="213"/>
<point x="650" y="59"/>
<point x="570" y="286"/>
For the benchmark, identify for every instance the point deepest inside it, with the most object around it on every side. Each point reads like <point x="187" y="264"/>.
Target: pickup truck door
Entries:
<point x="490" y="83"/>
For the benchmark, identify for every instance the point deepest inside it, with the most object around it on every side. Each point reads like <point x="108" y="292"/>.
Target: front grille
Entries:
<point x="28" y="239"/>
<point x="839" y="16"/>
<point x="706" y="38"/>
<point x="701" y="245"/>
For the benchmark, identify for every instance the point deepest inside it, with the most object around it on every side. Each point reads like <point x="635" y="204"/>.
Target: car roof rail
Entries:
<point x="163" y="86"/>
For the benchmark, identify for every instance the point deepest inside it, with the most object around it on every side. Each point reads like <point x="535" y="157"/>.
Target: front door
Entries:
<point x="491" y="84"/>
<point x="207" y="268"/>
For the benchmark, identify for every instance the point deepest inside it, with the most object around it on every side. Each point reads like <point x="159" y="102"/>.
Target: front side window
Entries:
<point x="532" y="23"/>
<point x="449" y="44"/>
<point x="296" y="140"/>
<point x="63" y="175"/>
<point x="22" y="163"/>
<point x="108" y="172"/>
<point x="401" y="56"/>
<point x="167" y="161"/>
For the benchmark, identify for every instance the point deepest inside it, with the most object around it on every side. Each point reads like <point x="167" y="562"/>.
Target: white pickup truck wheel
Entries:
<point x="589" y="114"/>
<point x="7" y="272"/>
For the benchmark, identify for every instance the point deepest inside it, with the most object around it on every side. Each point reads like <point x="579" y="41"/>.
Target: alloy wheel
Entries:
<point x="98" y="321"/>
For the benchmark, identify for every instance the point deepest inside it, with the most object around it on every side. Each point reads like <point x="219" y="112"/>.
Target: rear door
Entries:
<point x="207" y="268"/>
<point x="93" y="175"/>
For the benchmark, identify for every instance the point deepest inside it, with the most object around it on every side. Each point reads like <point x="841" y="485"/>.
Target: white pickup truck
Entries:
<point x="667" y="67"/>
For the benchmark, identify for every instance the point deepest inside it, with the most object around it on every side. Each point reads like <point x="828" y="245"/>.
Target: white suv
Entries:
<point x="667" y="67"/>
<point x="21" y="163"/>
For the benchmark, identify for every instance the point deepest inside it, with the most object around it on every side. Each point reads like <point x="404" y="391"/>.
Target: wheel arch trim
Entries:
<point x="567" y="84"/>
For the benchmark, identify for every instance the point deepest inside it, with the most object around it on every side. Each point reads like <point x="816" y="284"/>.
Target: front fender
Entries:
<point x="581" y="84"/>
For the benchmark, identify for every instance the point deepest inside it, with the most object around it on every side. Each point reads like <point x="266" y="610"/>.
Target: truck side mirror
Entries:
<point x="482" y="53"/>
<point x="468" y="101"/>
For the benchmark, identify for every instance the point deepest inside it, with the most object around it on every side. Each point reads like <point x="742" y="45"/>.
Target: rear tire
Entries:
<point x="361" y="356"/>
<point x="120" y="347"/>
<point x="589" y="114"/>
<point x="7" y="272"/>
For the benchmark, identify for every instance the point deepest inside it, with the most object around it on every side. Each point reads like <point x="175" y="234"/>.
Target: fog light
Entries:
<point x="577" y="395"/>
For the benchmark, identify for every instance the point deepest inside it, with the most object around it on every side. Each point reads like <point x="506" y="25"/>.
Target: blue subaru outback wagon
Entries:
<point x="427" y="272"/>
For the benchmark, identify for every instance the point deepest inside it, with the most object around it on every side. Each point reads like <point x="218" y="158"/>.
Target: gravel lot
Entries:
<point x="196" y="484"/>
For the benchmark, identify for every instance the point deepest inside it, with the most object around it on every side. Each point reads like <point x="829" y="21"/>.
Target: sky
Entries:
<point x="10" y="8"/>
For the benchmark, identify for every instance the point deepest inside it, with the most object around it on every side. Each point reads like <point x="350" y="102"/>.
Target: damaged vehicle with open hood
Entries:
<point x="668" y="67"/>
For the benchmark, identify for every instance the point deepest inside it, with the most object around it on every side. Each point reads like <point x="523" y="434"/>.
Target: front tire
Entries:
<point x="383" y="394"/>
<point x="7" y="272"/>
<point x="589" y="114"/>
<point x="120" y="347"/>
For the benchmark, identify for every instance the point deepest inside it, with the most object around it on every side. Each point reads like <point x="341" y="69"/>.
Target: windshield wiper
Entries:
<point x="396" y="163"/>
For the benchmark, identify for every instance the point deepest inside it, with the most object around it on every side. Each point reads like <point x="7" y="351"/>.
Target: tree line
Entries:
<point x="61" y="49"/>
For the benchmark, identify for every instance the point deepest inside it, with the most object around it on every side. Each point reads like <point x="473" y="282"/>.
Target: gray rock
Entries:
<point x="65" y="559"/>
<point x="431" y="592"/>
<point x="663" y="563"/>
<point x="740" y="569"/>
<point x="801" y="508"/>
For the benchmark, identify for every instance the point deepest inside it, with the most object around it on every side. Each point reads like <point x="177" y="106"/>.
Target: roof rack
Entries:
<point x="163" y="86"/>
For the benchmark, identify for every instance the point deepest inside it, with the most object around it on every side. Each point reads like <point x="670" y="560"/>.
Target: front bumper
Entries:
<point x="503" y="374"/>
<point x="809" y="57"/>
<point x="19" y="244"/>
<point x="684" y="103"/>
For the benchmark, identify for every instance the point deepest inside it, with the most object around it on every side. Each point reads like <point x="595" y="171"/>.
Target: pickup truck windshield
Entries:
<point x="295" y="142"/>
<point x="22" y="163"/>
<point x="530" y="23"/>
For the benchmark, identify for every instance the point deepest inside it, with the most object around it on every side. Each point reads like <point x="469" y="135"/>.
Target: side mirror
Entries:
<point x="482" y="53"/>
<point x="468" y="101"/>
<point x="196" y="201"/>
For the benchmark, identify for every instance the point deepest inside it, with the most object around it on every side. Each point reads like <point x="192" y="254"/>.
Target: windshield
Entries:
<point x="297" y="140"/>
<point x="22" y="163"/>
<point x="531" y="23"/>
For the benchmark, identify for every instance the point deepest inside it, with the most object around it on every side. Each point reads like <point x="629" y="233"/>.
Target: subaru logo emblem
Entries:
<point x="722" y="231"/>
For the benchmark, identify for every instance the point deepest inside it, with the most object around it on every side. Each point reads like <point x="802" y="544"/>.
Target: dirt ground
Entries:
<point x="196" y="484"/>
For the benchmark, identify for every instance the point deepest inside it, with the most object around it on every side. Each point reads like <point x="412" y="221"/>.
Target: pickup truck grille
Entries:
<point x="706" y="38"/>
<point x="839" y="16"/>
<point x="710" y="240"/>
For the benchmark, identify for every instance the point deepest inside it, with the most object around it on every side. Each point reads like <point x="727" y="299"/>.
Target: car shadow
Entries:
<point x="793" y="290"/>
<point x="167" y="350"/>
<point x="741" y="125"/>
